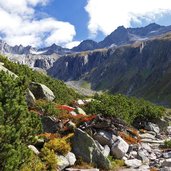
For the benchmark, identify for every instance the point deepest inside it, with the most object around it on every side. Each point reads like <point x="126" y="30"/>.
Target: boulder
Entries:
<point x="119" y="148"/>
<point x="41" y="91"/>
<point x="84" y="146"/>
<point x="152" y="127"/>
<point x="78" y="110"/>
<point x="62" y="162"/>
<point x="105" y="137"/>
<point x="34" y="149"/>
<point x="133" y="163"/>
<point x="71" y="158"/>
<point x="106" y="151"/>
<point x="30" y="99"/>
<point x="50" y="124"/>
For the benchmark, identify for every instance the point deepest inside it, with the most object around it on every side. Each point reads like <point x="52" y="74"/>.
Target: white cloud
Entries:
<point x="107" y="15"/>
<point x="72" y="44"/>
<point x="19" y="25"/>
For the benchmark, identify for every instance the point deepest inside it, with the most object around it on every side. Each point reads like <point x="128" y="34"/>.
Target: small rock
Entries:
<point x="71" y="125"/>
<point x="78" y="110"/>
<point x="133" y="163"/>
<point x="165" y="169"/>
<point x="167" y="155"/>
<point x="133" y="154"/>
<point x="105" y="137"/>
<point x="167" y="163"/>
<point x="119" y="148"/>
<point x="152" y="127"/>
<point x="80" y="102"/>
<point x="143" y="156"/>
<point x="34" y="149"/>
<point x="62" y="162"/>
<point x="169" y="130"/>
<point x="146" y="147"/>
<point x="71" y="158"/>
<point x="147" y="136"/>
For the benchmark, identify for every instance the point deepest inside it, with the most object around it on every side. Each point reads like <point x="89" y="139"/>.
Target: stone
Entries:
<point x="80" y="102"/>
<point x="147" y="136"/>
<point x="169" y="130"/>
<point x="71" y="158"/>
<point x="105" y="137"/>
<point x="106" y="151"/>
<point x="152" y="127"/>
<point x="133" y="154"/>
<point x="71" y="125"/>
<point x="142" y="155"/>
<point x="167" y="155"/>
<point x="119" y="148"/>
<point x="167" y="163"/>
<point x="62" y="162"/>
<point x="50" y="124"/>
<point x="41" y="91"/>
<point x="73" y="113"/>
<point x="162" y="123"/>
<point x="165" y="169"/>
<point x="146" y="146"/>
<point x="84" y="146"/>
<point x="30" y="99"/>
<point x="133" y="163"/>
<point x="78" y="110"/>
<point x="34" y="149"/>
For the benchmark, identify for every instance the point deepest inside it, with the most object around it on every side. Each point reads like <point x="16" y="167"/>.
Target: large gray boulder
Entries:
<point x="119" y="148"/>
<point x="84" y="146"/>
<point x="41" y="91"/>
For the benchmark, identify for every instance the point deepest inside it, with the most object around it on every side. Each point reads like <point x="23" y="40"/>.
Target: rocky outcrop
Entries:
<point x="85" y="46"/>
<point x="85" y="147"/>
<point x="40" y="91"/>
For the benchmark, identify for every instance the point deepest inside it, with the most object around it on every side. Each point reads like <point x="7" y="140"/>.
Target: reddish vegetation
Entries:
<point x="132" y="137"/>
<point x="65" y="107"/>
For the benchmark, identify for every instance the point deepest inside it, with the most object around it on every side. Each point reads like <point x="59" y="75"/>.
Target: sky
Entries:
<point x="41" y="23"/>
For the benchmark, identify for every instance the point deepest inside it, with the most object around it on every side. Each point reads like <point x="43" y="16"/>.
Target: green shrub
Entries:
<point x="167" y="144"/>
<point x="126" y="108"/>
<point x="59" y="145"/>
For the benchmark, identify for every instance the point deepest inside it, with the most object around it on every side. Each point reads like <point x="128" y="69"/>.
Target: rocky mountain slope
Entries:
<point x="141" y="69"/>
<point x="133" y="61"/>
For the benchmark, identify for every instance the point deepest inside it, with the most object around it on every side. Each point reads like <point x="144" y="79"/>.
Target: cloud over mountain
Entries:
<point x="20" y="24"/>
<point x="107" y="15"/>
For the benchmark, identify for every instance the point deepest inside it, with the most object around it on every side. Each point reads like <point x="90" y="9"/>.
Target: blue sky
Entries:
<point x="68" y="22"/>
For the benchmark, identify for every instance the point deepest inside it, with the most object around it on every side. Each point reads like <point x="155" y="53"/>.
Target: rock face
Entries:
<point x="85" y="147"/>
<point x="41" y="91"/>
<point x="86" y="45"/>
